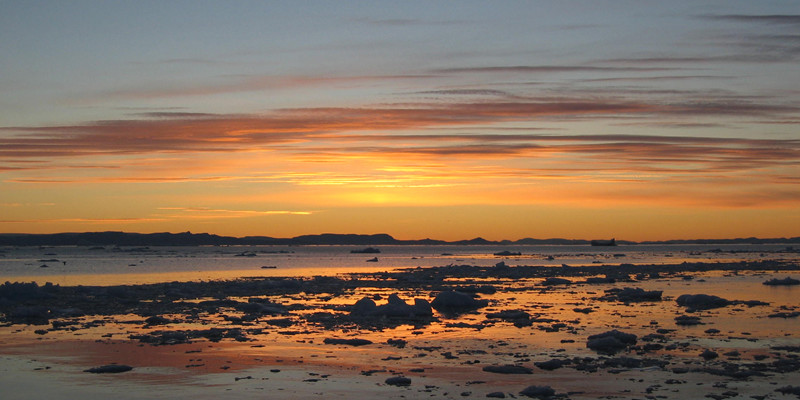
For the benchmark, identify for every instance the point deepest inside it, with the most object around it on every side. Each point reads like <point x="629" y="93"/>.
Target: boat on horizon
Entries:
<point x="603" y="242"/>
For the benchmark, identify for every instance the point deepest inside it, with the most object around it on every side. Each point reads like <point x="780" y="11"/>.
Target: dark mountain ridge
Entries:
<point x="114" y="238"/>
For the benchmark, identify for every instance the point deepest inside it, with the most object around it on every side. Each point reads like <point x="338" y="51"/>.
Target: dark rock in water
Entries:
<point x="652" y="347"/>
<point x="656" y="337"/>
<point x="627" y="338"/>
<point x="35" y="315"/>
<point x="163" y="337"/>
<point x="484" y="289"/>
<point x="364" y="307"/>
<point x="109" y="369"/>
<point x="394" y="299"/>
<point x="156" y="320"/>
<point x="791" y="349"/>
<point x="687" y="320"/>
<point x="281" y="322"/>
<point x="508" y="253"/>
<point x="261" y="306"/>
<point x="631" y="295"/>
<point x="539" y="392"/>
<point x="753" y="303"/>
<point x="795" y="390"/>
<point x="509" y="315"/>
<point x="456" y="301"/>
<point x="398" y="381"/>
<point x="550" y="364"/>
<point x="373" y="259"/>
<point x="629" y="362"/>
<point x="701" y="301"/>
<point x="368" y="250"/>
<point x="793" y="314"/>
<point x="422" y="308"/>
<point x="709" y="355"/>
<point x="496" y="395"/>
<point x="733" y="354"/>
<point x="610" y="342"/>
<point x="508" y="369"/>
<point x="785" y="281"/>
<point x="556" y="281"/>
<point x="599" y="279"/>
<point x="395" y="307"/>
<point x="399" y="343"/>
<point x="348" y="342"/>
<point x="606" y="345"/>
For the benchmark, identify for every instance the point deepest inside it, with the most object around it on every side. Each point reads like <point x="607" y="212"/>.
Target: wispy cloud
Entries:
<point x="213" y="133"/>
<point x="112" y="221"/>
<point x="440" y="152"/>
<point x="213" y="213"/>
<point x="242" y="84"/>
<point x="547" y="69"/>
<point x="467" y="92"/>
<point x="331" y="134"/>
<point x="654" y="78"/>
<point x="177" y="213"/>
<point x="781" y="19"/>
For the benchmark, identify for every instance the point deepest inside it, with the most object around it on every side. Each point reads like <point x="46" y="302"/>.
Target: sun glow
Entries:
<point x="271" y="137"/>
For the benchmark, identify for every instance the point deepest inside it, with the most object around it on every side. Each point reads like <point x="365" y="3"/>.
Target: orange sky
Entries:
<point x="390" y="120"/>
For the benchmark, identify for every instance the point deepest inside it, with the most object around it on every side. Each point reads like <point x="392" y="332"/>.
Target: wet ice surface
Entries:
<point x="81" y="265"/>
<point x="266" y="336"/>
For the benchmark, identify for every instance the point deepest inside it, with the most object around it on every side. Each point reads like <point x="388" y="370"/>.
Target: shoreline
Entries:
<point x="224" y="338"/>
<point x="79" y="266"/>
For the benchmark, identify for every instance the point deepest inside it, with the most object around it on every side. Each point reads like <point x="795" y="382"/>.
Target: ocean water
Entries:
<point x="75" y="265"/>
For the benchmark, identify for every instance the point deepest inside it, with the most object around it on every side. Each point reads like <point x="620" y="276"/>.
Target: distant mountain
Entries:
<point x="205" y="239"/>
<point x="476" y="241"/>
<point x="117" y="239"/>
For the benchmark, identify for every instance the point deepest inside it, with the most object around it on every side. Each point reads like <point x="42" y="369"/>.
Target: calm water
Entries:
<point x="130" y="265"/>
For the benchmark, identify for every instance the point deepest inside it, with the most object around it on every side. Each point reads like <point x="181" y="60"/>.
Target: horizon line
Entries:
<point x="413" y="240"/>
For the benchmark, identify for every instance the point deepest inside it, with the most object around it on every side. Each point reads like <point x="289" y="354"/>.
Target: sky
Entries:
<point x="639" y="120"/>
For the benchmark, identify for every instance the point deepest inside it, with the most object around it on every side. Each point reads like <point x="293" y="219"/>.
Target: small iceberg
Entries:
<point x="368" y="250"/>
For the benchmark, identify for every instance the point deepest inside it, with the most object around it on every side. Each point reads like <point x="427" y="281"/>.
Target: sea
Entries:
<point x="112" y="265"/>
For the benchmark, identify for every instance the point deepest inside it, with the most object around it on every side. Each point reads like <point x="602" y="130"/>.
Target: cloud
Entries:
<point x="654" y="78"/>
<point x="600" y="152"/>
<point x="82" y="220"/>
<point x="747" y="39"/>
<point x="780" y="19"/>
<point x="467" y="92"/>
<point x="211" y="213"/>
<point x="223" y="133"/>
<point x="443" y="144"/>
<point x="182" y="213"/>
<point x="174" y="114"/>
<point x="243" y="83"/>
<point x="547" y="69"/>
<point x="731" y="108"/>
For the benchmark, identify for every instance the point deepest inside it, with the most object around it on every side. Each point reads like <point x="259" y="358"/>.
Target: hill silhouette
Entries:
<point x="114" y="238"/>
